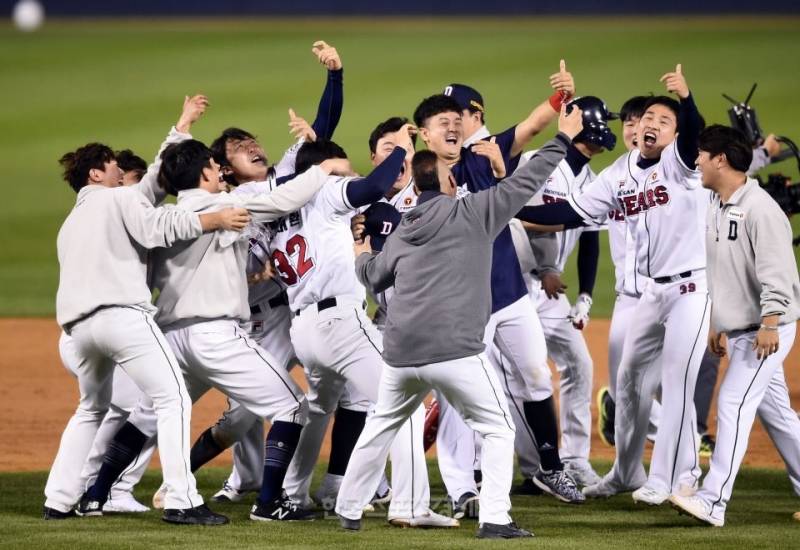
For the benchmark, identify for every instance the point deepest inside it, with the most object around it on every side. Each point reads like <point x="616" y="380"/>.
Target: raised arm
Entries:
<point x="564" y="88"/>
<point x="330" y="104"/>
<point x="496" y="206"/>
<point x="689" y="121"/>
<point x="364" y="191"/>
<point x="193" y="109"/>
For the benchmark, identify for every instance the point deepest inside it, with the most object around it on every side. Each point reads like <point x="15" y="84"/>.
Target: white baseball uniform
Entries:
<point x="312" y="250"/>
<point x="665" y="207"/>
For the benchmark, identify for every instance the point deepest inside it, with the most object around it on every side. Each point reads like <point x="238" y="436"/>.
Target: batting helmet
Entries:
<point x="595" y="122"/>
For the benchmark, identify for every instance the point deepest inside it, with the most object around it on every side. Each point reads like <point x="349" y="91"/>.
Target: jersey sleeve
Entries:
<point x="333" y="196"/>
<point x="597" y="200"/>
<point x="676" y="170"/>
<point x="598" y="224"/>
<point x="505" y="140"/>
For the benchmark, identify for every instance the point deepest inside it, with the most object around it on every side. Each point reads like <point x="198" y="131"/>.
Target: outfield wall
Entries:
<point x="69" y="8"/>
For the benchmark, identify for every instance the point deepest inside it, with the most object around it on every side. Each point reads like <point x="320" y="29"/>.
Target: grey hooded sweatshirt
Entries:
<point x="439" y="261"/>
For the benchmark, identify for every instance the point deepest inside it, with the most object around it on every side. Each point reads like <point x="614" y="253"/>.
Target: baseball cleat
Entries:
<point x="199" y="515"/>
<point x="428" y="520"/>
<point x="608" y="487"/>
<point x="695" y="507"/>
<point x="159" y="496"/>
<point x="560" y="485"/>
<point x="466" y="506"/>
<point x="648" y="495"/>
<point x="349" y="524"/>
<point x="707" y="445"/>
<point x="89" y="508"/>
<point x="382" y="498"/>
<point x="124" y="503"/>
<point x="229" y="494"/>
<point x="582" y="474"/>
<point x="280" y="509"/>
<point x="527" y="487"/>
<point x="52" y="513"/>
<point x="605" y="419"/>
<point x="496" y="531"/>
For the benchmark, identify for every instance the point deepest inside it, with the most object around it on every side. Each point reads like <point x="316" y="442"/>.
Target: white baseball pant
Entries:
<point x="517" y="333"/>
<point x="471" y="386"/>
<point x="670" y="320"/>
<point x="219" y="354"/>
<point x="567" y="348"/>
<point x="129" y="338"/>
<point x="751" y="386"/>
<point x="338" y="345"/>
<point x="125" y="395"/>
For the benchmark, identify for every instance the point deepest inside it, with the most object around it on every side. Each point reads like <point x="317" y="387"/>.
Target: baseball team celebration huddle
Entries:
<point x="457" y="238"/>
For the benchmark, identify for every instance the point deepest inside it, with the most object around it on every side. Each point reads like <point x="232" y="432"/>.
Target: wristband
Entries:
<point x="768" y="327"/>
<point x="557" y="99"/>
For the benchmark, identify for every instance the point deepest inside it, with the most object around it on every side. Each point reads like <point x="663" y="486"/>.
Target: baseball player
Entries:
<point x="561" y="321"/>
<point x="755" y="290"/>
<point x="125" y="394"/>
<point x="333" y="337"/>
<point x="105" y="308"/>
<point x="444" y="350"/>
<point x="662" y="202"/>
<point x="440" y="121"/>
<point x="203" y="328"/>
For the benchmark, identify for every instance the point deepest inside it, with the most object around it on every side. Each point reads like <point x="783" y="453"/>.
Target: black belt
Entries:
<point x="281" y="299"/>
<point x="673" y="278"/>
<point x="327" y="303"/>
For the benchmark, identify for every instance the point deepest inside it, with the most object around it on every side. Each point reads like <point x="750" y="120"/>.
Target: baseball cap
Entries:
<point x="381" y="219"/>
<point x="467" y="97"/>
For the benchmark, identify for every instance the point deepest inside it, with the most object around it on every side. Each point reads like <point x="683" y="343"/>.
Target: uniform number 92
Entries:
<point x="688" y="287"/>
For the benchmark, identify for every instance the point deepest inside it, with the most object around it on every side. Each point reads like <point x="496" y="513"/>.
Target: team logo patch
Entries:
<point x="407" y="201"/>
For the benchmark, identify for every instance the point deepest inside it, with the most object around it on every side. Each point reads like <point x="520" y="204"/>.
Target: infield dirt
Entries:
<point x="37" y="397"/>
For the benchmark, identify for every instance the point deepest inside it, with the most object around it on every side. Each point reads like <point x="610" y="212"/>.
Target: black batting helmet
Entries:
<point x="595" y="122"/>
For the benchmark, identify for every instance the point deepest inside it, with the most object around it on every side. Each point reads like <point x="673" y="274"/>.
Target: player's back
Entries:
<point x="312" y="249"/>
<point x="100" y="264"/>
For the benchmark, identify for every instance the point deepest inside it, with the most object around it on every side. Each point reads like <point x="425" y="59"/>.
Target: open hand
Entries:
<point x="572" y="123"/>
<point x="193" y="109"/>
<point x="300" y="128"/>
<point x="491" y="151"/>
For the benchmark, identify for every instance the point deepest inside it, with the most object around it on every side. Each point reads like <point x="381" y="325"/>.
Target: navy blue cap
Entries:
<point x="381" y="220"/>
<point x="467" y="97"/>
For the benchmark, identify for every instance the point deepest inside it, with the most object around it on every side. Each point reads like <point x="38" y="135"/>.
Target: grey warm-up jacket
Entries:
<point x="439" y="261"/>
<point x="751" y="267"/>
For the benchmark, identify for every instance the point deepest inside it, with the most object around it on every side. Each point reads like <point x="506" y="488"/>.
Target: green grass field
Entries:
<point x="759" y="516"/>
<point x="122" y="82"/>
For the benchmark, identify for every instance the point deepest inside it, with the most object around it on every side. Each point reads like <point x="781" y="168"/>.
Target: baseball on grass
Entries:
<point x="28" y="15"/>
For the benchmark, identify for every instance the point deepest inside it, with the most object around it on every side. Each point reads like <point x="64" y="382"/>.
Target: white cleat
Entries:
<point x="583" y="474"/>
<point x="607" y="488"/>
<point x="428" y="520"/>
<point x="159" y="497"/>
<point x="647" y="495"/>
<point x="229" y="494"/>
<point x="124" y="503"/>
<point x="695" y="507"/>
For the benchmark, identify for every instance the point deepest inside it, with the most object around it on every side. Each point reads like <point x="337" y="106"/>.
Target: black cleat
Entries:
<point x="280" y="509"/>
<point x="605" y="419"/>
<point x="496" y="531"/>
<point x="349" y="524"/>
<point x="527" y="487"/>
<point x="707" y="445"/>
<point x="466" y="506"/>
<point x="52" y="513"/>
<point x="89" y="508"/>
<point x="199" y="515"/>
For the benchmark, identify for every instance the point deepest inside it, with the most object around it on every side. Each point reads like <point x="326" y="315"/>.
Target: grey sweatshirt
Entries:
<point x="206" y="278"/>
<point x="439" y="261"/>
<point x="751" y="267"/>
<point x="102" y="249"/>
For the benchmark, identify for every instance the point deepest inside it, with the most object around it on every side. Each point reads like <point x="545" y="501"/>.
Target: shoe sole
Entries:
<point x="549" y="491"/>
<point x="92" y="514"/>
<point x="405" y="524"/>
<point x="602" y="417"/>
<point x="494" y="536"/>
<point x="683" y="512"/>
<point x="115" y="510"/>
<point x="201" y="523"/>
<point x="226" y="498"/>
<point x="255" y="517"/>
<point x="647" y="502"/>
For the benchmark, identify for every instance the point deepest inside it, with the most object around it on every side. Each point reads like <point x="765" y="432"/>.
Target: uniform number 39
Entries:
<point x="288" y="274"/>
<point x="690" y="287"/>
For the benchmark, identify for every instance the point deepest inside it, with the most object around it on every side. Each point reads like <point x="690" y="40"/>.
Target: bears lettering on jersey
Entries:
<point x="616" y="215"/>
<point x="634" y="203"/>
